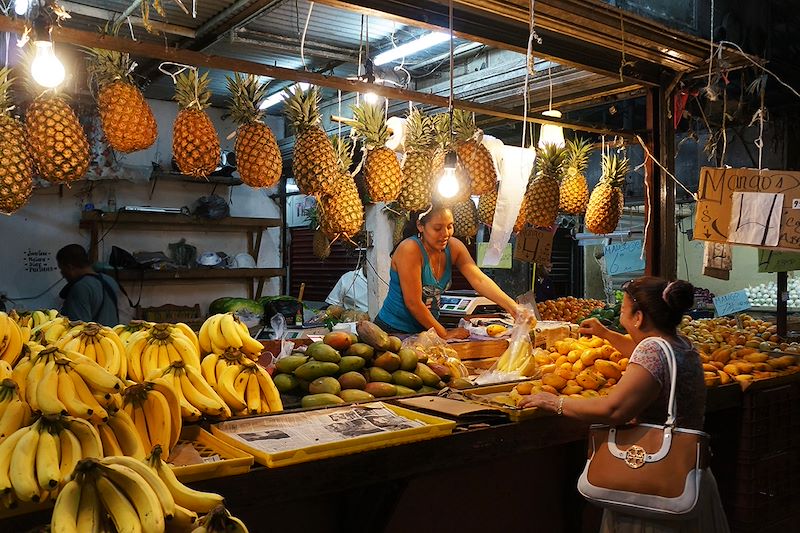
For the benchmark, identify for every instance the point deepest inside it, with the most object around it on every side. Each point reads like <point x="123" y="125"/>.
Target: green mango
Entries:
<point x="355" y="395"/>
<point x="375" y="373"/>
<point x="428" y="376"/>
<point x="288" y="364"/>
<point x="316" y="369"/>
<point x="350" y="363"/>
<point x="325" y="384"/>
<point x="285" y="382"/>
<point x="381" y="390"/>
<point x="407" y="379"/>
<point x="362" y="350"/>
<point x="408" y="359"/>
<point x="322" y="352"/>
<point x="319" y="400"/>
<point x="404" y="391"/>
<point x="352" y="380"/>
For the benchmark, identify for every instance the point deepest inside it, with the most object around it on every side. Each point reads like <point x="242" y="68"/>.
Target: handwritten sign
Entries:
<point x="730" y="303"/>
<point x="534" y="246"/>
<point x="505" y="258"/>
<point x="772" y="261"/>
<point x="715" y="201"/>
<point x="623" y="257"/>
<point x="38" y="261"/>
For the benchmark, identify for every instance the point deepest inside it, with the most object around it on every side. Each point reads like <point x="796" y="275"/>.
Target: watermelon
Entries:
<point x="249" y="311"/>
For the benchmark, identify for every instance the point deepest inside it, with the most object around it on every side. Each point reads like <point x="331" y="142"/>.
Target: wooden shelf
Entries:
<point x="190" y="274"/>
<point x="175" y="222"/>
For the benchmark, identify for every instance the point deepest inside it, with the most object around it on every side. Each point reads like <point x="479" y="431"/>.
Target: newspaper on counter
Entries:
<point x="294" y="431"/>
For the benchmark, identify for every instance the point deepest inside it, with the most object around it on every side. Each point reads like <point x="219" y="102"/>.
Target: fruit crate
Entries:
<point x="770" y="422"/>
<point x="484" y="395"/>
<point x="233" y="461"/>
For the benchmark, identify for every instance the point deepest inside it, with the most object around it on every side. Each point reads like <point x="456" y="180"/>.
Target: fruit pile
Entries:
<point x="568" y="308"/>
<point x="346" y="368"/>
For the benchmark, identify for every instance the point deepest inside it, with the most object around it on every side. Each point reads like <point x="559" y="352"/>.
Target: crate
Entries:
<point x="234" y="461"/>
<point x="770" y="422"/>
<point x="171" y="313"/>
<point x="485" y="394"/>
<point x="765" y="490"/>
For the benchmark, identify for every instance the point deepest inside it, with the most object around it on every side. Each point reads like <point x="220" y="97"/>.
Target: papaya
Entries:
<point x="388" y="361"/>
<point x="288" y="364"/>
<point x="355" y="395"/>
<point x="373" y="335"/>
<point x="338" y="340"/>
<point x="428" y="376"/>
<point x="319" y="400"/>
<point x="375" y="373"/>
<point x="609" y="369"/>
<point x="349" y="363"/>
<point x="362" y="350"/>
<point x="285" y="382"/>
<point x="404" y="391"/>
<point x="315" y="369"/>
<point x="407" y="379"/>
<point x="554" y="380"/>
<point x="408" y="359"/>
<point x="322" y="352"/>
<point x="395" y="344"/>
<point x="352" y="380"/>
<point x="381" y="390"/>
<point x="325" y="384"/>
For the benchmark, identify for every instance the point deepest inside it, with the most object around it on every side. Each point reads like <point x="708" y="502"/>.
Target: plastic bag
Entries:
<point x="429" y="345"/>
<point x="518" y="360"/>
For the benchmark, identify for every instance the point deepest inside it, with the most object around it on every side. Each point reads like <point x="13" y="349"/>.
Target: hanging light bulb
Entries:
<point x="21" y="7"/>
<point x="448" y="185"/>
<point x="552" y="133"/>
<point x="370" y="97"/>
<point x="46" y="69"/>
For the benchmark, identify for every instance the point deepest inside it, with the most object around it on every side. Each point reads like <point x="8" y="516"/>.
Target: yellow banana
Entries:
<point x="4" y="326"/>
<point x="204" y="336"/>
<point x="71" y="453"/>
<point x="138" y="491"/>
<point x="155" y="413"/>
<point x="270" y="390"/>
<point x="99" y="414"/>
<point x="172" y="353"/>
<point x="22" y="469"/>
<point x="14" y="417"/>
<point x="150" y="360"/>
<point x="194" y="500"/>
<point x="227" y="391"/>
<point x="137" y="414"/>
<point x="150" y="476"/>
<point x="47" y="392"/>
<point x="48" y="467"/>
<point x="208" y="368"/>
<point x="231" y="334"/>
<point x="90" y="350"/>
<point x="188" y="411"/>
<point x="65" y="512"/>
<point x="91" y="512"/>
<point x="184" y="520"/>
<point x="111" y="445"/>
<point x="32" y="382"/>
<point x="218" y="343"/>
<point x="88" y="436"/>
<point x="202" y="386"/>
<point x="20" y="375"/>
<point x="205" y="404"/>
<point x="251" y="346"/>
<point x="13" y="349"/>
<point x="253" y="394"/>
<point x="96" y="376"/>
<point x="189" y="355"/>
<point x="25" y="331"/>
<point x="70" y="398"/>
<point x="164" y="388"/>
<point x="163" y="356"/>
<point x="222" y="364"/>
<point x="113" y="356"/>
<point x="190" y="335"/>
<point x="120" y="509"/>
<point x="5" y="370"/>
<point x="7" y="447"/>
<point x="134" y="356"/>
<point x="126" y="434"/>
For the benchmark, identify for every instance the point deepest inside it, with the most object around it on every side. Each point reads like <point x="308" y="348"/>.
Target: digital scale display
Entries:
<point x="454" y="303"/>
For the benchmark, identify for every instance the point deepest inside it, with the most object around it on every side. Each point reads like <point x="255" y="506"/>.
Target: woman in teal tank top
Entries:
<point x="421" y="271"/>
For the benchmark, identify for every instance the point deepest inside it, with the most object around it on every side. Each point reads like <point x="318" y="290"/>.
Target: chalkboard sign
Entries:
<point x="730" y="303"/>
<point x="534" y="246"/>
<point x="623" y="257"/>
<point x="772" y="261"/>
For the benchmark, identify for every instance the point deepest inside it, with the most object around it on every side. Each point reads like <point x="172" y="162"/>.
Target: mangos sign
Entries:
<point x="715" y="200"/>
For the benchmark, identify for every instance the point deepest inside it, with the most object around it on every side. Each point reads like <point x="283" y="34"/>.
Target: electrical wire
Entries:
<point x="303" y="37"/>
<point x="23" y="298"/>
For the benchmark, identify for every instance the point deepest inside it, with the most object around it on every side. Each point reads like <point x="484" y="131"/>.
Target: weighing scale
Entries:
<point x="456" y="305"/>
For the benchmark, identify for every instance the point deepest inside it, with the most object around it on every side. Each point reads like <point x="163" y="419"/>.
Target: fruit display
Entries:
<point x="97" y="342"/>
<point x="195" y="145"/>
<point x="219" y="520"/>
<point x="341" y="212"/>
<point x="606" y="202"/>
<point x="543" y="194"/>
<point x="195" y="395"/>
<point x="152" y="348"/>
<point x="574" y="190"/>
<point x="149" y="406"/>
<point x="473" y="155"/>
<point x="381" y="168"/>
<point x="222" y="331"/>
<point x="245" y="386"/>
<point x="766" y="294"/>
<point x="14" y="411"/>
<point x="11" y="339"/>
<point x="608" y="315"/>
<point x="16" y="165"/>
<point x="415" y="194"/>
<point x="258" y="158"/>
<point x="119" y="436"/>
<point x="124" y="331"/>
<point x="568" y="308"/>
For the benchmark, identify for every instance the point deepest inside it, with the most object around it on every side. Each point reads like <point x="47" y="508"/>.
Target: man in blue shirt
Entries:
<point x="88" y="296"/>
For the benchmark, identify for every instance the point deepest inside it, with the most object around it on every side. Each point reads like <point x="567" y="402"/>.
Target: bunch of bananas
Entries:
<point x="219" y="520"/>
<point x="125" y="331"/>
<point x="156" y="348"/>
<point x="97" y="342"/>
<point x="223" y="331"/>
<point x="195" y="396"/>
<point x="127" y="494"/>
<point x="14" y="413"/>
<point x="38" y="459"/>
<point x="149" y="406"/>
<point x="25" y="323"/>
<point x="11" y="339"/>
<point x="49" y="332"/>
<point x="248" y="389"/>
<point x="43" y="316"/>
<point x="214" y="364"/>
<point x="56" y="382"/>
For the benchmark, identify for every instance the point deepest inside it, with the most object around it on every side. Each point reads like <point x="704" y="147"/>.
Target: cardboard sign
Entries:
<point x="771" y="261"/>
<point x="730" y="303"/>
<point x="623" y="257"/>
<point x="534" y="246"/>
<point x="715" y="201"/>
<point x="505" y="259"/>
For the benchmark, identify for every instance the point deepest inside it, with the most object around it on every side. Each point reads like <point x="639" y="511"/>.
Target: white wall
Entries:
<point x="50" y="221"/>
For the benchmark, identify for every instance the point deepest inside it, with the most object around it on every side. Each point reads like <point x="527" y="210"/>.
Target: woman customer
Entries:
<point x="421" y="271"/>
<point x="651" y="307"/>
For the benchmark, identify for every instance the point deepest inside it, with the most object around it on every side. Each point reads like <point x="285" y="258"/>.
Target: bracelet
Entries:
<point x="560" y="408"/>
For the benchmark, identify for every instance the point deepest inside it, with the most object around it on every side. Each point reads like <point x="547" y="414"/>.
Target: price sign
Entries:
<point x="623" y="257"/>
<point x="534" y="246"/>
<point x="771" y="261"/>
<point x="505" y="259"/>
<point x="730" y="303"/>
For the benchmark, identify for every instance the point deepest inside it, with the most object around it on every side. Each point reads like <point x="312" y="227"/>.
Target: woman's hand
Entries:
<point x="592" y="326"/>
<point x="457" y="333"/>
<point x="544" y="400"/>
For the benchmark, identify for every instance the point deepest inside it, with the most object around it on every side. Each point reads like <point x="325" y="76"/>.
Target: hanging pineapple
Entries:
<point x="542" y="195"/>
<point x="16" y="166"/>
<point x="314" y="164"/>
<point x="415" y="194"/>
<point x="473" y="155"/>
<point x="195" y="146"/>
<point x="606" y="203"/>
<point x="381" y="168"/>
<point x="574" y="191"/>
<point x="444" y="144"/>
<point x="126" y="117"/>
<point x="342" y="213"/>
<point x="488" y="204"/>
<point x="320" y="245"/>
<point x="258" y="157"/>
<point x="465" y="219"/>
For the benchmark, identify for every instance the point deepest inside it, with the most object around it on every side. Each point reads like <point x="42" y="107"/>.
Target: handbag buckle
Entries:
<point x="635" y="456"/>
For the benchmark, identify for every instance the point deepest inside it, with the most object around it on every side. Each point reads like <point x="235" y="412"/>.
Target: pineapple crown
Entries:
<point x="191" y="90"/>
<point x="369" y="121"/>
<point x="441" y="123"/>
<point x="246" y="94"/>
<point x="107" y="66"/>
<point x="420" y="131"/>
<point x="550" y="161"/>
<point x="6" y="80"/>
<point x="577" y="158"/>
<point x="464" y="125"/>
<point x="302" y="108"/>
<point x="614" y="170"/>
<point x="342" y="149"/>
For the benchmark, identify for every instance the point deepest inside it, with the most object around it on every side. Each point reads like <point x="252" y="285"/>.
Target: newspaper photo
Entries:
<point x="300" y="430"/>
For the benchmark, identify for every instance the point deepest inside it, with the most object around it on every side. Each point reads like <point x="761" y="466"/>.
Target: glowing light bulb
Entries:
<point x="21" y="7"/>
<point x="46" y="69"/>
<point x="552" y="133"/>
<point x="448" y="185"/>
<point x="370" y="97"/>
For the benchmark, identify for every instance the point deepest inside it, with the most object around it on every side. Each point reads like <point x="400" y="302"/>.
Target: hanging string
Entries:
<point x="760" y="66"/>
<point x="724" y="126"/>
<point x="759" y="142"/>
<point x="649" y="210"/>
<point x="528" y="73"/>
<point x="532" y="35"/>
<point x="648" y="155"/>
<point x="303" y="37"/>
<point x="130" y="28"/>
<point x="550" y="82"/>
<point x="360" y="50"/>
<point x="339" y="112"/>
<point x="711" y="50"/>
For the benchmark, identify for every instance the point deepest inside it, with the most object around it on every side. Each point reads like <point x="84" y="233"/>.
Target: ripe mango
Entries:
<point x="355" y="395"/>
<point x="350" y="363"/>
<point x="443" y="371"/>
<point x="338" y="340"/>
<point x="608" y="369"/>
<point x="288" y="364"/>
<point x="388" y="361"/>
<point x="427" y="390"/>
<point x="285" y="382"/>
<point x="406" y="379"/>
<point x="590" y="380"/>
<point x="316" y="369"/>
<point x="319" y="400"/>
<point x="352" y="380"/>
<point x="460" y="384"/>
<point x="381" y="390"/>
<point x="325" y="384"/>
<point x="550" y="389"/>
<point x="554" y="380"/>
<point x="322" y="352"/>
<point x="395" y="344"/>
<point x="428" y="376"/>
<point x="373" y="335"/>
<point x="408" y="359"/>
<point x="404" y="391"/>
<point x="571" y="389"/>
<point x="375" y="373"/>
<point x="362" y="350"/>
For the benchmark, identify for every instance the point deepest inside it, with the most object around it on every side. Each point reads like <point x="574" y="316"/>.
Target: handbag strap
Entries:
<point x="673" y="373"/>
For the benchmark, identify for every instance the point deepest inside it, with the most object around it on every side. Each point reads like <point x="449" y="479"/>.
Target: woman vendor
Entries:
<point x="421" y="271"/>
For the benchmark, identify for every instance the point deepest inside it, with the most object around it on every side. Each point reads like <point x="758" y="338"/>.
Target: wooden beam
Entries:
<point x="199" y="59"/>
<point x="107" y="14"/>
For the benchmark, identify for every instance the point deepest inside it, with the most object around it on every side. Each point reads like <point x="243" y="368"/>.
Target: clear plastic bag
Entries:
<point x="430" y="345"/>
<point x="518" y="360"/>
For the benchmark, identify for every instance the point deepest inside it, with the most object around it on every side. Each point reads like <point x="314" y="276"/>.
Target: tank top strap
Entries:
<point x="422" y="249"/>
